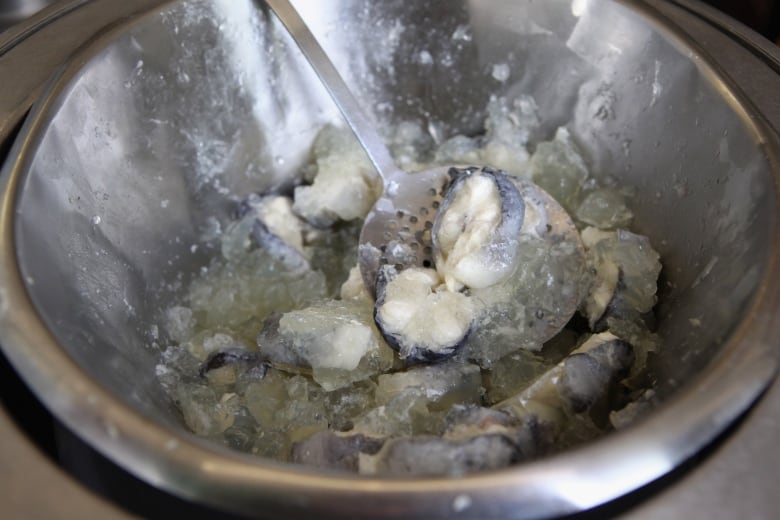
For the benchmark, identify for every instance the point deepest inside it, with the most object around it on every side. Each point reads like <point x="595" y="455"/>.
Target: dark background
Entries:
<point x="761" y="15"/>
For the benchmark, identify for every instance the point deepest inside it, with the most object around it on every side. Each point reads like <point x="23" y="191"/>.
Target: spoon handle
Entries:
<point x="356" y="118"/>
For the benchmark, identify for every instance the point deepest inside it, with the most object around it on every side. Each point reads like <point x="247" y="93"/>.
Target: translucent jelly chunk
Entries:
<point x="459" y="150"/>
<point x="354" y="288"/>
<point x="265" y="396"/>
<point x="640" y="266"/>
<point x="251" y="287"/>
<point x="559" y="169"/>
<point x="345" y="186"/>
<point x="637" y="263"/>
<point x="241" y="435"/>
<point x="176" y="364"/>
<point x="605" y="208"/>
<point x="329" y="450"/>
<point x="514" y="372"/>
<point x="338" y="340"/>
<point x="345" y="404"/>
<point x="531" y="306"/>
<point x="270" y="443"/>
<point x="179" y="323"/>
<point x="236" y="240"/>
<point x="287" y="409"/>
<point x="512" y="120"/>
<point x="222" y="376"/>
<point x="304" y="412"/>
<point x="405" y="414"/>
<point x="443" y="384"/>
<point x="508" y="129"/>
<point x="203" y="413"/>
<point x="334" y="252"/>
<point x="410" y="145"/>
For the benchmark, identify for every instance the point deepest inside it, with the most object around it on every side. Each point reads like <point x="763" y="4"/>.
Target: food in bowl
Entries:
<point x="529" y="334"/>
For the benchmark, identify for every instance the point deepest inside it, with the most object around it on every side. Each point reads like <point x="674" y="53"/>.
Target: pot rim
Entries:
<point x="193" y="468"/>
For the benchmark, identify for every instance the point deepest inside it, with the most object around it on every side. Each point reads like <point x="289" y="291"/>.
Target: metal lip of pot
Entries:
<point x="569" y="482"/>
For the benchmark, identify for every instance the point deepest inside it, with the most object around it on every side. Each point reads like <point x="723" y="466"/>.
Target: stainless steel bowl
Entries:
<point x="170" y="108"/>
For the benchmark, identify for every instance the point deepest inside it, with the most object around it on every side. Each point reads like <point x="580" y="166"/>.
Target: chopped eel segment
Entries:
<point x="576" y="384"/>
<point x="336" y="339"/>
<point x="476" y="230"/>
<point x="418" y="316"/>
